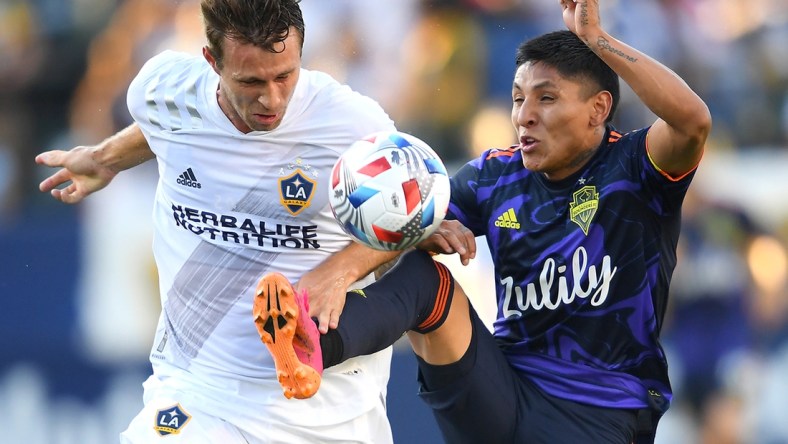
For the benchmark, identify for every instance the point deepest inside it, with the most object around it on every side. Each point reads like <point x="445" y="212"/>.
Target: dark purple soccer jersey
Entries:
<point x="582" y="267"/>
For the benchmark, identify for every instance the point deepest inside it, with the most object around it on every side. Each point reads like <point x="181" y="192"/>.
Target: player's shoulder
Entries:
<point x="339" y="104"/>
<point x="494" y="160"/>
<point x="171" y="56"/>
<point x="171" y="79"/>
<point x="329" y="91"/>
<point x="500" y="155"/>
<point x="168" y="61"/>
<point x="622" y="140"/>
<point x="492" y="163"/>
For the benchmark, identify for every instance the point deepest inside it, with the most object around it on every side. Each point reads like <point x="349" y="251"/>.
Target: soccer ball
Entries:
<point x="389" y="190"/>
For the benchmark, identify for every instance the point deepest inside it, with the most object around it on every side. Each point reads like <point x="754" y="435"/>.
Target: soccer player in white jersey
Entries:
<point x="245" y="140"/>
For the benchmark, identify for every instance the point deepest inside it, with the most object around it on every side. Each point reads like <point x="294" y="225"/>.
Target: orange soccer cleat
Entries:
<point x="282" y="319"/>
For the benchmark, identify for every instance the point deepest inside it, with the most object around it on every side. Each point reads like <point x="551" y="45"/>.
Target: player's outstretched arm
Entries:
<point x="328" y="283"/>
<point x="87" y="169"/>
<point x="676" y="140"/>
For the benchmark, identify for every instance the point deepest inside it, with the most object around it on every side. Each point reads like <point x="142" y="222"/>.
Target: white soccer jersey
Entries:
<point x="230" y="207"/>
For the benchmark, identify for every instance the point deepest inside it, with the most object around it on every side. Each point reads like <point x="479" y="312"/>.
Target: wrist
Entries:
<point x="591" y="37"/>
<point x="104" y="157"/>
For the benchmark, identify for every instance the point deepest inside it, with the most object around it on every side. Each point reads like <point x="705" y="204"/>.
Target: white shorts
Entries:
<point x="171" y="417"/>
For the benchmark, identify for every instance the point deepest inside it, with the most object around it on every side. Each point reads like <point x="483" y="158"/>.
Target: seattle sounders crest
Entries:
<point x="582" y="209"/>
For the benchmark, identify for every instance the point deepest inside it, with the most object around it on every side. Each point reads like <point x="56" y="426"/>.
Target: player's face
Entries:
<point x="256" y="84"/>
<point x="557" y="124"/>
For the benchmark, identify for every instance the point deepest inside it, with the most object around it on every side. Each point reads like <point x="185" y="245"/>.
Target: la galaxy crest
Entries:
<point x="296" y="191"/>
<point x="171" y="420"/>
<point x="582" y="209"/>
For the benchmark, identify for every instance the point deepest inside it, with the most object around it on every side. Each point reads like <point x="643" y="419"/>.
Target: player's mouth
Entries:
<point x="528" y="143"/>
<point x="266" y="119"/>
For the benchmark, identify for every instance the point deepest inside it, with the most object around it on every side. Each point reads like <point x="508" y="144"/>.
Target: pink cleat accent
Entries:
<point x="282" y="319"/>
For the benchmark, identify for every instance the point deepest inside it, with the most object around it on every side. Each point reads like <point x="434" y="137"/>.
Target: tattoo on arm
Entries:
<point x="584" y="14"/>
<point x="606" y="46"/>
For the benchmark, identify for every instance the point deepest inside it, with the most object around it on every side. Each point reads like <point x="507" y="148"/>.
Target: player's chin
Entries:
<point x="531" y="164"/>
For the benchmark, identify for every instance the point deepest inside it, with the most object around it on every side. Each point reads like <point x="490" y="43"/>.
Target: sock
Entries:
<point x="414" y="295"/>
<point x="436" y="377"/>
<point x="332" y="347"/>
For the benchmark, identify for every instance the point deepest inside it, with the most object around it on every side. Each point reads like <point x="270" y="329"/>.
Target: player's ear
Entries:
<point x="206" y="52"/>
<point x="602" y="104"/>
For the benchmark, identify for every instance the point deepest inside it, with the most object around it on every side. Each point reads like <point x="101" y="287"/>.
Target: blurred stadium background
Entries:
<point x="77" y="283"/>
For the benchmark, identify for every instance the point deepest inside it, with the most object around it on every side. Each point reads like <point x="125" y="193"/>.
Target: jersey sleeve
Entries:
<point x="372" y="117"/>
<point x="464" y="205"/>
<point x="669" y="192"/>
<point x="149" y="75"/>
<point x="345" y="110"/>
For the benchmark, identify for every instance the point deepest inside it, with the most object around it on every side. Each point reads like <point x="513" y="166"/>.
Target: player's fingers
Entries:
<point x="461" y="240"/>
<point x="457" y="244"/>
<point x="436" y="244"/>
<point x="333" y="322"/>
<point x="463" y="251"/>
<point x="71" y="194"/>
<point x="55" y="180"/>
<point x="52" y="158"/>
<point x="55" y="193"/>
<point x="470" y="242"/>
<point x="323" y="320"/>
<point x="454" y="233"/>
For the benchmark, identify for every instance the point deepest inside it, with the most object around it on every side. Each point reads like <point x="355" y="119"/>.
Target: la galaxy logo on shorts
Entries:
<point x="295" y="191"/>
<point x="171" y="420"/>
<point x="582" y="209"/>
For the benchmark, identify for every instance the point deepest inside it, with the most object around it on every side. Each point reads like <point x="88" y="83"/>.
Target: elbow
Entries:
<point x="695" y="127"/>
<point x="704" y="122"/>
<point x="699" y="130"/>
<point x="699" y="125"/>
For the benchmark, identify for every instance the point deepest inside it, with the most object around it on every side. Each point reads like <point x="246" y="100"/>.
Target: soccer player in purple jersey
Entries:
<point x="582" y="222"/>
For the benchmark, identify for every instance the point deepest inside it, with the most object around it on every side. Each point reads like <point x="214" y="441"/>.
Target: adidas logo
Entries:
<point x="508" y="220"/>
<point x="188" y="179"/>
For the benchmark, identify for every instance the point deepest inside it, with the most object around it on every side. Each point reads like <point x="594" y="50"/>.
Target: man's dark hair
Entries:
<point x="573" y="59"/>
<point x="263" y="23"/>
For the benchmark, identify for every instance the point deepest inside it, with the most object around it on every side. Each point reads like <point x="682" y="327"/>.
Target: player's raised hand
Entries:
<point x="581" y="16"/>
<point x="81" y="173"/>
<point x="451" y="237"/>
